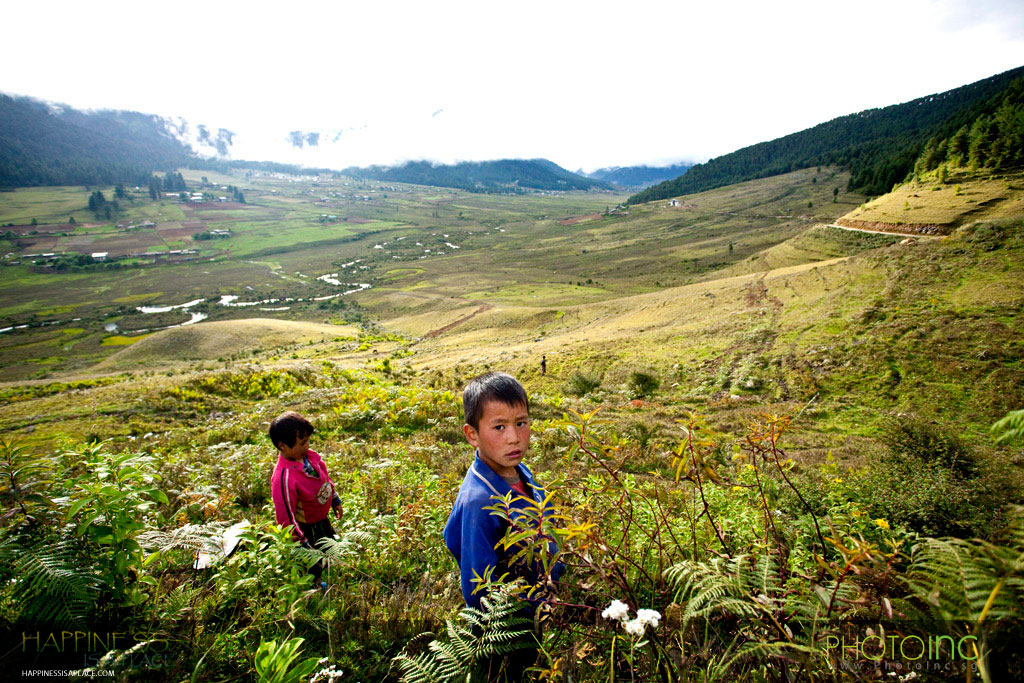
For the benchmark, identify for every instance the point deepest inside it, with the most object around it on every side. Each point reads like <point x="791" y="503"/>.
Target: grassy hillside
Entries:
<point x="757" y="393"/>
<point x="220" y="340"/>
<point x="892" y="359"/>
<point x="934" y="206"/>
<point x="847" y="330"/>
<point x="415" y="247"/>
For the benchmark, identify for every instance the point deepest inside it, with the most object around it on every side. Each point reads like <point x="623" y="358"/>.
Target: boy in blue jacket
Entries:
<point x="497" y="414"/>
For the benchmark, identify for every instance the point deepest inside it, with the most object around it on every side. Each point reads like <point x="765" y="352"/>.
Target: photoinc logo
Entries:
<point x="909" y="648"/>
<point x="905" y="656"/>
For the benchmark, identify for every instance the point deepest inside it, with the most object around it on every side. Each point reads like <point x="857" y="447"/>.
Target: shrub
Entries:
<point x="922" y="496"/>
<point x="929" y="442"/>
<point x="111" y="503"/>
<point x="581" y="383"/>
<point x="642" y="384"/>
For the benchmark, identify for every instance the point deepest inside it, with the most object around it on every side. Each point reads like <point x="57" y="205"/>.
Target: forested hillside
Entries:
<point x="993" y="139"/>
<point x="43" y="145"/>
<point x="482" y="176"/>
<point x="878" y="146"/>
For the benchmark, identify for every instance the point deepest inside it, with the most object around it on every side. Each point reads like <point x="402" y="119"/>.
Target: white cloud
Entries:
<point x="582" y="83"/>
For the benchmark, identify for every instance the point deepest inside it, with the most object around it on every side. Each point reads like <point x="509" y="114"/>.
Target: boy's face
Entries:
<point x="502" y="437"/>
<point x="298" y="450"/>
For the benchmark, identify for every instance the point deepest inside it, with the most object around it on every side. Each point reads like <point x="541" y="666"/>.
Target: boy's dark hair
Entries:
<point x="288" y="427"/>
<point x="491" y="386"/>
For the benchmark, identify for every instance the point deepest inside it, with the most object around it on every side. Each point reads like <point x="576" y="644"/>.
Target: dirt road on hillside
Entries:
<point x="882" y="232"/>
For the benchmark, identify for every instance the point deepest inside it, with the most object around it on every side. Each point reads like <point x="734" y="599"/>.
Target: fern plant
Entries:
<point x="48" y="582"/>
<point x="767" y="615"/>
<point x="1010" y="428"/>
<point x="478" y="634"/>
<point x="975" y="589"/>
<point x="773" y="623"/>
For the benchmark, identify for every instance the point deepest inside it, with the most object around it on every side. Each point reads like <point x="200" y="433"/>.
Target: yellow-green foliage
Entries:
<point x="362" y="407"/>
<point x="248" y="384"/>
<point x="968" y="196"/>
<point x="121" y="340"/>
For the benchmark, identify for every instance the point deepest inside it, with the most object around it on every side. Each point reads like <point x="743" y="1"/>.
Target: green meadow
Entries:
<point x="770" y="430"/>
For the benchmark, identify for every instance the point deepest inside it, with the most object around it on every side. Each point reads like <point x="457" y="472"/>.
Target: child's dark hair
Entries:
<point x="491" y="386"/>
<point x="289" y="426"/>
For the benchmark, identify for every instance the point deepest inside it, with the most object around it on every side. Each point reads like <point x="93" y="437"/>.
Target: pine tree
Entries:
<point x="983" y="132"/>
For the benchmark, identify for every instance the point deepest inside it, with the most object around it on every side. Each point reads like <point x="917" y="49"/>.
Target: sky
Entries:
<point x="585" y="84"/>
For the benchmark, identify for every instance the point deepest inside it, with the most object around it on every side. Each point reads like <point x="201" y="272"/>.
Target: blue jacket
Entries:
<point x="472" y="533"/>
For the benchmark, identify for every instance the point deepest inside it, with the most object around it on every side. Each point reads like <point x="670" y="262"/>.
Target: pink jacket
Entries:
<point x="298" y="497"/>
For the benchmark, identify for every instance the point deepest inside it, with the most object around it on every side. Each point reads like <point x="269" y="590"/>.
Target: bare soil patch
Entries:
<point x="41" y="229"/>
<point x="218" y="206"/>
<point x="452" y="325"/>
<point x="122" y="245"/>
<point x="904" y="228"/>
<point x="178" y="233"/>
<point x="580" y="219"/>
<point x="45" y="243"/>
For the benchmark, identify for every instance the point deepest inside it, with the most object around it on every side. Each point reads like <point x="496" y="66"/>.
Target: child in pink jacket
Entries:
<point x="302" y="490"/>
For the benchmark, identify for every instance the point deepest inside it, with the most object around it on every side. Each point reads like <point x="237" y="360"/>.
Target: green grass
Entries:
<point x="121" y="340"/>
<point x="46" y="204"/>
<point x="659" y="287"/>
<point x="839" y="329"/>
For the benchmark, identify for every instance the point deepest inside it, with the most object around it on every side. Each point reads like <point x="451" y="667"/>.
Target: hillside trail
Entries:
<point x="452" y="325"/>
<point x="882" y="232"/>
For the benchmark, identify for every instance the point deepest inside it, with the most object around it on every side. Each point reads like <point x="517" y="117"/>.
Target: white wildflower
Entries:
<point x="634" y="628"/>
<point x="648" y="617"/>
<point x="328" y="674"/>
<point x="618" y="610"/>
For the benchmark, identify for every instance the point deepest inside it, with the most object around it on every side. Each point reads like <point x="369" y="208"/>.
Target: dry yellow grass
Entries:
<point x="645" y="325"/>
<point x="963" y="199"/>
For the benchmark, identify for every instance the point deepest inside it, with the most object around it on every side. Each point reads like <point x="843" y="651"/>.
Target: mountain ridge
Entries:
<point x="482" y="176"/>
<point x="879" y="146"/>
<point x="643" y="175"/>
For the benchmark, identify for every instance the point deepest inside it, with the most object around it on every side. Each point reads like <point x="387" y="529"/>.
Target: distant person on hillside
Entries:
<point x="302" y="490"/>
<point x="543" y="365"/>
<point x="497" y="425"/>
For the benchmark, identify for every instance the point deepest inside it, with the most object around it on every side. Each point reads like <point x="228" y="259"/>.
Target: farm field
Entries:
<point x="759" y="394"/>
